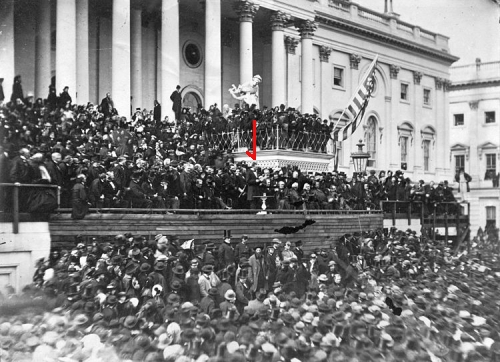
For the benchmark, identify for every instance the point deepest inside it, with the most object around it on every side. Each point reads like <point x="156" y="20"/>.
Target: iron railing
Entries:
<point x="271" y="138"/>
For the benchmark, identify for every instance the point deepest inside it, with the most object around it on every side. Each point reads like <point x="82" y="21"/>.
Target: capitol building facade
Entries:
<point x="311" y="56"/>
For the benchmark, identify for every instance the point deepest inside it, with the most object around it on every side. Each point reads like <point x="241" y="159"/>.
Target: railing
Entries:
<point x="15" y="199"/>
<point x="427" y="35"/>
<point x="220" y="211"/>
<point x="405" y="27"/>
<point x="274" y="138"/>
<point x="340" y="5"/>
<point x="372" y="15"/>
<point x="448" y="212"/>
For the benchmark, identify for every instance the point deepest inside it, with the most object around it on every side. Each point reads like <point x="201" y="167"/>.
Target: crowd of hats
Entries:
<point x="94" y="145"/>
<point x="109" y="303"/>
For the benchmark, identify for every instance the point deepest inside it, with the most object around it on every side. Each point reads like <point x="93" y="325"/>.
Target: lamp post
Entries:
<point x="360" y="158"/>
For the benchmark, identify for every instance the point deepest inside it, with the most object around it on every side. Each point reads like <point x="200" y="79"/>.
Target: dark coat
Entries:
<point x="252" y="185"/>
<point x="79" y="201"/>
<point x="226" y="254"/>
<point x="176" y="99"/>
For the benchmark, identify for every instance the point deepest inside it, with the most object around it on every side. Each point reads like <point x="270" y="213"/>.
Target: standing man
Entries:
<point x="176" y="99"/>
<point x="157" y="112"/>
<point x="242" y="250"/>
<point x="252" y="185"/>
<point x="226" y="252"/>
<point x="107" y="105"/>
<point x="259" y="271"/>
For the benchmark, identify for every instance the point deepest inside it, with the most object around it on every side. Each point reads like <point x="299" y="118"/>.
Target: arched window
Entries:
<point x="405" y="141"/>
<point x="192" y="100"/>
<point x="371" y="141"/>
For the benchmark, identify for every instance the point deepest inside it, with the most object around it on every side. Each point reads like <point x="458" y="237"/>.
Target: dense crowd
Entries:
<point x="100" y="159"/>
<point x="375" y="296"/>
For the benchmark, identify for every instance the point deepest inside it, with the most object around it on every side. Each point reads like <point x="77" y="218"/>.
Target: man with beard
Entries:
<point x="258" y="271"/>
<point x="226" y="252"/>
<point x="282" y="196"/>
<point x="96" y="194"/>
<point x="271" y="265"/>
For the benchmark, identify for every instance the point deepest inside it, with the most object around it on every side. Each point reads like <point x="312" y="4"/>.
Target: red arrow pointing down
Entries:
<point x="253" y="155"/>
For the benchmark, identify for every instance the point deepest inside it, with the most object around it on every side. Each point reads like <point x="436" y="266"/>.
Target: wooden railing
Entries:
<point x="15" y="199"/>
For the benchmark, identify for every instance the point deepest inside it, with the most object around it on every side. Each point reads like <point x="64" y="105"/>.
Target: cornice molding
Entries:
<point x="474" y="84"/>
<point x="325" y="19"/>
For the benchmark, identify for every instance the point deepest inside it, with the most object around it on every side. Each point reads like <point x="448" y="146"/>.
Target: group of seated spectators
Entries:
<point x="101" y="160"/>
<point x="381" y="295"/>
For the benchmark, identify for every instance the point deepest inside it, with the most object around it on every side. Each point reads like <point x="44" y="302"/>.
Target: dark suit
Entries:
<point x="176" y="99"/>
<point x="55" y="173"/>
<point x="252" y="187"/>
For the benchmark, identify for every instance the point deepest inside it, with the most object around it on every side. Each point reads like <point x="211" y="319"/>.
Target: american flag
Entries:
<point x="353" y="113"/>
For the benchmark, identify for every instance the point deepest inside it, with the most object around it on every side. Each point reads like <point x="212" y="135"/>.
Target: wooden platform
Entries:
<point x="259" y="228"/>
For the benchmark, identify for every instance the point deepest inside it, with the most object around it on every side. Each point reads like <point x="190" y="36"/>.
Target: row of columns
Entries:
<point x="72" y="51"/>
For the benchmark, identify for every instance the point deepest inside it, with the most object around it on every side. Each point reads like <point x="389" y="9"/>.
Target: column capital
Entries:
<point x="246" y="10"/>
<point x="324" y="53"/>
<point x="355" y="60"/>
<point x="394" y="71"/>
<point x="417" y="76"/>
<point x="474" y="105"/>
<point x="438" y="83"/>
<point x="291" y="44"/>
<point x="278" y="20"/>
<point x="306" y="28"/>
<point x="446" y="85"/>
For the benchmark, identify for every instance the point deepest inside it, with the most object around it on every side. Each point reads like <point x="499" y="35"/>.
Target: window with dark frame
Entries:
<point x="404" y="91"/>
<point x="371" y="141"/>
<point x="489" y="117"/>
<point x="459" y="163"/>
<point x="427" y="147"/>
<point x="458" y="119"/>
<point x="491" y="164"/>
<point x="491" y="217"/>
<point x="427" y="97"/>
<point x="338" y="77"/>
<point x="404" y="149"/>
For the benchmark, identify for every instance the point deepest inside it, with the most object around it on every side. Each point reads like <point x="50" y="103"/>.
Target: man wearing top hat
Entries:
<point x="226" y="252"/>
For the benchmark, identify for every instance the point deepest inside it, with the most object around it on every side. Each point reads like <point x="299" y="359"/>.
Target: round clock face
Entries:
<point x="192" y="55"/>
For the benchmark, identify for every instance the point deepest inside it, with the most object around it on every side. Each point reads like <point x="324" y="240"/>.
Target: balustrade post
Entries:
<point x="15" y="213"/>
<point x="277" y="137"/>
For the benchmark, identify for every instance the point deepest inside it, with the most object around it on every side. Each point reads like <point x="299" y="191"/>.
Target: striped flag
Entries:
<point x="353" y="113"/>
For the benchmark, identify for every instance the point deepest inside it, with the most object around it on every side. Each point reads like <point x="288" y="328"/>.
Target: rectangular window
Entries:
<point x="491" y="164"/>
<point x="338" y="77"/>
<point x="427" y="146"/>
<point x="459" y="163"/>
<point x="489" y="117"/>
<point x="458" y="119"/>
<point x="404" y="91"/>
<point x="404" y="149"/>
<point x="491" y="217"/>
<point x="427" y="97"/>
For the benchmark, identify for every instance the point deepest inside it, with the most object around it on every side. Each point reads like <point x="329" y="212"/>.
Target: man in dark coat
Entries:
<point x="226" y="253"/>
<point x="157" y="112"/>
<point x="107" y="105"/>
<point x="79" y="199"/>
<point x="2" y="95"/>
<point x="20" y="170"/>
<point x="55" y="172"/>
<point x="176" y="99"/>
<point x="64" y="97"/>
<point x="136" y="193"/>
<point x="252" y="185"/>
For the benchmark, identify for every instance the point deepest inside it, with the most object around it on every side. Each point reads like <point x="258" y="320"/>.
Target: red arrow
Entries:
<point x="253" y="155"/>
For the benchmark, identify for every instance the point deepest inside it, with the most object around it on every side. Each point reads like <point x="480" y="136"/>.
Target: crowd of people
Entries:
<point x="382" y="295"/>
<point x="102" y="160"/>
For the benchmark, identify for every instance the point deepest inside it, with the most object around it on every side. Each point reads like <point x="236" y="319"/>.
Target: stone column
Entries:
<point x="325" y="81"/>
<point x="66" y="46"/>
<point x="42" y="63"/>
<point x="395" y="116"/>
<point x="246" y="11"/>
<point x="120" y="70"/>
<point x="307" y="29"/>
<point x="418" y="154"/>
<point x="82" y="52"/>
<point x="170" y="54"/>
<point x="278" y="69"/>
<point x="136" y="58"/>
<point x="441" y="129"/>
<point x="213" y="53"/>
